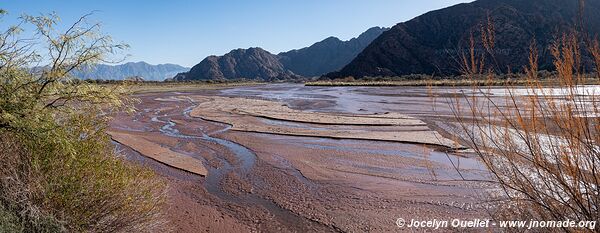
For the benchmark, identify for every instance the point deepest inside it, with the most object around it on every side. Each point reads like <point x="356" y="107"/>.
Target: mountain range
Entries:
<point x="320" y="58"/>
<point x="139" y="70"/>
<point x="252" y="63"/>
<point x="327" y="55"/>
<point x="433" y="43"/>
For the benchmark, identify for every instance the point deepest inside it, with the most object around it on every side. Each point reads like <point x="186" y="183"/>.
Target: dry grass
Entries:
<point x="540" y="144"/>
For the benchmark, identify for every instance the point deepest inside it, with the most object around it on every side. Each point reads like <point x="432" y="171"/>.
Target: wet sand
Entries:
<point x="288" y="183"/>
<point x="142" y="144"/>
<point x="261" y="116"/>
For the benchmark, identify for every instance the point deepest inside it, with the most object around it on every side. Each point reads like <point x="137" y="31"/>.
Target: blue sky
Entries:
<point x="185" y="31"/>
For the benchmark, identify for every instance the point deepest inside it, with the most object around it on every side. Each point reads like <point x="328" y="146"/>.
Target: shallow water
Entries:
<point x="413" y="101"/>
<point x="245" y="162"/>
<point x="354" y="100"/>
<point x="376" y="167"/>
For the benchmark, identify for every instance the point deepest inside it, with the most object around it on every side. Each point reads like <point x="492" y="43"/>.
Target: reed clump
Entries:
<point x="540" y="143"/>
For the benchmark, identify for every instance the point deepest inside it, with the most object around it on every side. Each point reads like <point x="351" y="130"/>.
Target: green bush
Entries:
<point x="58" y="169"/>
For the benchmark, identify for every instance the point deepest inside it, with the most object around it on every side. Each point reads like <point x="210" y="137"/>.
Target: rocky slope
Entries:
<point x="257" y="64"/>
<point x="434" y="42"/>
<point x="132" y="69"/>
<point x="252" y="63"/>
<point x="327" y="55"/>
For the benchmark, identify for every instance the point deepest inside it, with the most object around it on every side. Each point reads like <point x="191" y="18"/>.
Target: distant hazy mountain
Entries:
<point x="327" y="55"/>
<point x="132" y="69"/>
<point x="252" y="63"/>
<point x="431" y="43"/>
<point x="255" y="63"/>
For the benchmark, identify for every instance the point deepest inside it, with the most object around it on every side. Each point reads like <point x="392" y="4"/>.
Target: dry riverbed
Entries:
<point x="279" y="158"/>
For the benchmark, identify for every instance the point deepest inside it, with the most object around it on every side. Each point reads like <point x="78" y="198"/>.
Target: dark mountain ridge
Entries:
<point x="433" y="43"/>
<point x="258" y="64"/>
<point x="327" y="55"/>
<point x="252" y="63"/>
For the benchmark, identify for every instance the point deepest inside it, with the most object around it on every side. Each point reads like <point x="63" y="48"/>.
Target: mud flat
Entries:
<point x="159" y="153"/>
<point x="315" y="163"/>
<point x="249" y="114"/>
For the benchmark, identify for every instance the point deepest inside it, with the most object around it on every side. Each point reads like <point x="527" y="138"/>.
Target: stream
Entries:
<point x="246" y="159"/>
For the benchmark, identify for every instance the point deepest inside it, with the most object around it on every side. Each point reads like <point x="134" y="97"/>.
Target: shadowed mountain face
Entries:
<point x="255" y="63"/>
<point x="434" y="42"/>
<point x="252" y="63"/>
<point x="328" y="55"/>
<point x="132" y="69"/>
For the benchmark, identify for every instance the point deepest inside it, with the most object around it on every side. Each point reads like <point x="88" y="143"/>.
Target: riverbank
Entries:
<point x="445" y="82"/>
<point x="288" y="183"/>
